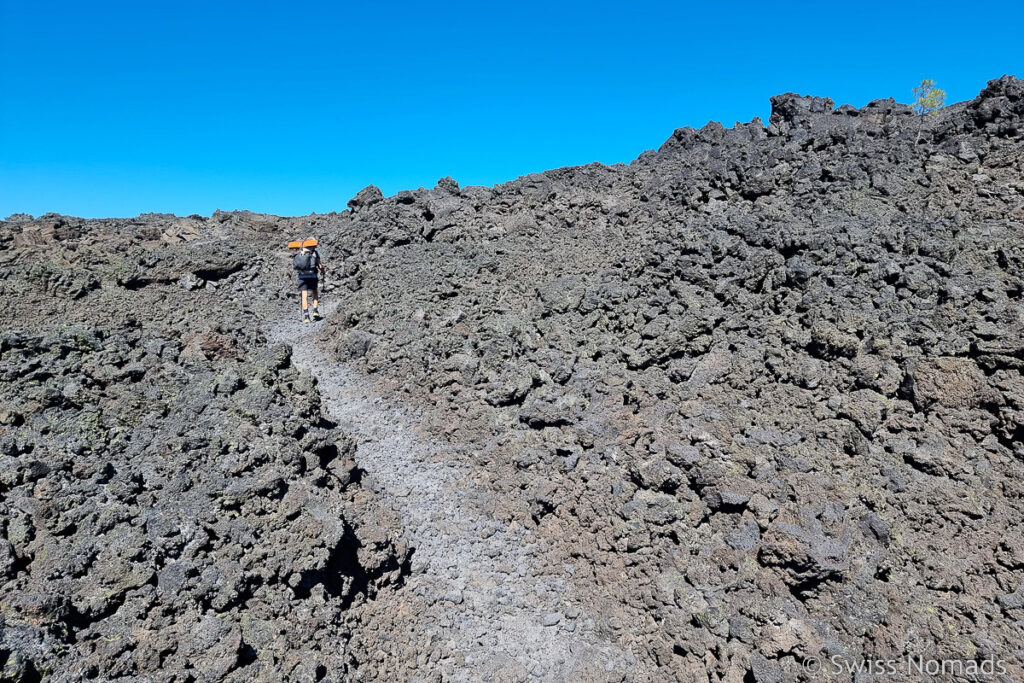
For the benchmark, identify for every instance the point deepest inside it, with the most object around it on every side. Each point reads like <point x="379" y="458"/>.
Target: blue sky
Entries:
<point x="115" y="108"/>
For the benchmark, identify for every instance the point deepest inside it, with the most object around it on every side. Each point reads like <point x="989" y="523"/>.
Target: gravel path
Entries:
<point x="502" y="613"/>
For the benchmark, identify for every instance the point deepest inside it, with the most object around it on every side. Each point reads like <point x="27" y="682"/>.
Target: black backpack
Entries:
<point x="305" y="263"/>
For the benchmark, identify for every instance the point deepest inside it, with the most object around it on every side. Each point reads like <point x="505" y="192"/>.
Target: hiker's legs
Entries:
<point x="305" y="300"/>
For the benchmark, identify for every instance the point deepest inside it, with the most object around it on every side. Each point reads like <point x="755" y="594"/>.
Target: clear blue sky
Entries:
<point x="115" y="108"/>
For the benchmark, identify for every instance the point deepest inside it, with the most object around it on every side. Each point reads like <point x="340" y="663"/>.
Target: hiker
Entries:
<point x="309" y="267"/>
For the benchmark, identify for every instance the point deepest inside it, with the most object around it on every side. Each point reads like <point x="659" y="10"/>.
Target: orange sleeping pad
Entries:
<point x="298" y="244"/>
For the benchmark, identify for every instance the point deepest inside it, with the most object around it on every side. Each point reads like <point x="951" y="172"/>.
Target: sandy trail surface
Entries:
<point x="478" y="585"/>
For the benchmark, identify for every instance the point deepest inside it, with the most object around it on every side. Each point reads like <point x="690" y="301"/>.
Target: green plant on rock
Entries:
<point x="927" y="98"/>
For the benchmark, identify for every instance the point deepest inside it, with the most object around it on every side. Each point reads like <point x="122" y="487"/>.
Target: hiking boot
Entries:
<point x="317" y="316"/>
<point x="306" y="319"/>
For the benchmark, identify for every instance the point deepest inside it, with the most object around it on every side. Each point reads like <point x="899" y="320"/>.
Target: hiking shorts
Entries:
<point x="308" y="285"/>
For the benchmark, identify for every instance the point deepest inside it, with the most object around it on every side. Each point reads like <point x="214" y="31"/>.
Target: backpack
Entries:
<point x="305" y="263"/>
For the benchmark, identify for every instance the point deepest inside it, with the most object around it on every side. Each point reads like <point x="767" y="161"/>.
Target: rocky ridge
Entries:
<point x="754" y="398"/>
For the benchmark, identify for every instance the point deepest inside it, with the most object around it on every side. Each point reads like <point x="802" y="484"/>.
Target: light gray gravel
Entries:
<point x="489" y="598"/>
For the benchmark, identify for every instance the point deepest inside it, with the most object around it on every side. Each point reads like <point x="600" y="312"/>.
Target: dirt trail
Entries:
<point x="502" y="614"/>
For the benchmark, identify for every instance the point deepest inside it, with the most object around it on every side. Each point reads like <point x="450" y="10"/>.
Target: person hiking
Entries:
<point x="309" y="266"/>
